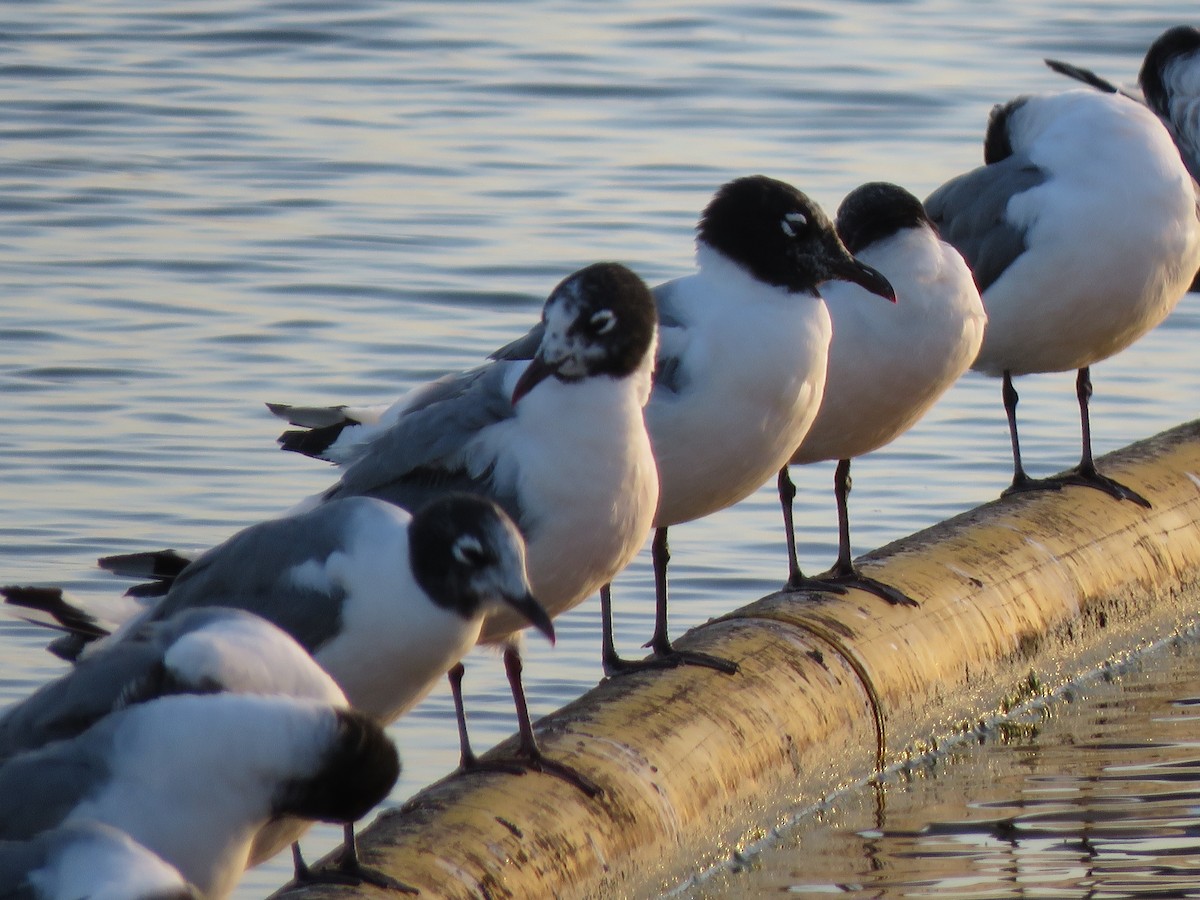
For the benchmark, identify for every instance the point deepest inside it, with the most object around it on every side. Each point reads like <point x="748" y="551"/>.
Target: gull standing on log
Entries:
<point x="1081" y="228"/>
<point x="558" y="440"/>
<point x="888" y="364"/>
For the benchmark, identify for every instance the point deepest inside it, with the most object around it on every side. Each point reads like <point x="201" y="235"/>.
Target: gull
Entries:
<point x="1168" y="83"/>
<point x="888" y="364"/>
<point x="201" y="650"/>
<point x="195" y="651"/>
<point x="558" y="440"/>
<point x="1081" y="229"/>
<point x="194" y="778"/>
<point x="386" y="602"/>
<point x="739" y="373"/>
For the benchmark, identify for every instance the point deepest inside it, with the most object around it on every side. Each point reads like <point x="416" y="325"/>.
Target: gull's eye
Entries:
<point x="469" y="551"/>
<point x="792" y="223"/>
<point x="602" y="322"/>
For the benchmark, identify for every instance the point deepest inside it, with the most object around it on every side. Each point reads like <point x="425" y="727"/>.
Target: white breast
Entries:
<point x="889" y="362"/>
<point x="395" y="644"/>
<point x="580" y="458"/>
<point x="753" y="372"/>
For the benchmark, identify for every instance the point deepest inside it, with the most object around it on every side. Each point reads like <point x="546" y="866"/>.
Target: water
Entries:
<point x="1093" y="797"/>
<point x="220" y="204"/>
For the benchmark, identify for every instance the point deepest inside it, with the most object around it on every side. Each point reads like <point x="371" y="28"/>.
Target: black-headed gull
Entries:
<point x="194" y="778"/>
<point x="741" y="364"/>
<point x="557" y="438"/>
<point x="387" y="602"/>
<point x="1081" y="228"/>
<point x="888" y="364"/>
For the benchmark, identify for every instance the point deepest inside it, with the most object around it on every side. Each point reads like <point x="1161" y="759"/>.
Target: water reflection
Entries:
<point x="1095" y="796"/>
<point x="214" y="205"/>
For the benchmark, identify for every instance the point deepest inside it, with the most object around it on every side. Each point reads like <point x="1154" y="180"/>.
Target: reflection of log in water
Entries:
<point x="1092" y="794"/>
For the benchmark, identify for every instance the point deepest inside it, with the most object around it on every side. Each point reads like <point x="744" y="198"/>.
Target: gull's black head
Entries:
<point x="875" y="211"/>
<point x="781" y="237"/>
<point x="468" y="556"/>
<point x="357" y="771"/>
<point x="599" y="321"/>
<point x="1171" y="45"/>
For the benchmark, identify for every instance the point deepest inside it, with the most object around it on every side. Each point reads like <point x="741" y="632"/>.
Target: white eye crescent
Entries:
<point x="603" y="322"/>
<point x="467" y="550"/>
<point x="789" y="222"/>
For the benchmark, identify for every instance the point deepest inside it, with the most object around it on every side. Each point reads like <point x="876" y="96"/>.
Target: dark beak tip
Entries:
<point x="547" y="628"/>
<point x="874" y="281"/>
<point x="870" y="279"/>
<point x="537" y="372"/>
<point x="536" y="615"/>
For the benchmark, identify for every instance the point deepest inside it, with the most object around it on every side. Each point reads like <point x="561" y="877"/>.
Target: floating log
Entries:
<point x="1017" y="597"/>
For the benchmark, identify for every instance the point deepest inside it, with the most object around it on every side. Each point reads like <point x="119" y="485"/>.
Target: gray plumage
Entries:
<point x="422" y="457"/>
<point x="95" y="687"/>
<point x="251" y="571"/>
<point x="40" y="788"/>
<point x="122" y="674"/>
<point x="969" y="212"/>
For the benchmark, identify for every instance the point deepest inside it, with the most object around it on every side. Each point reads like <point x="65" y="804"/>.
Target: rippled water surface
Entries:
<point x="1092" y="797"/>
<point x="207" y="206"/>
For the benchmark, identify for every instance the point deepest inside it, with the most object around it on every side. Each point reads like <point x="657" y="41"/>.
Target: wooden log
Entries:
<point x="1017" y="597"/>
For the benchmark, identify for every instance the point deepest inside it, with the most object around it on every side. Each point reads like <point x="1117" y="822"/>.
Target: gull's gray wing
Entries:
<point x="125" y="672"/>
<point x="17" y="860"/>
<point x="39" y="789"/>
<point x="524" y="347"/>
<point x="969" y="212"/>
<point x="422" y="456"/>
<point x="78" y="699"/>
<point x="260" y="569"/>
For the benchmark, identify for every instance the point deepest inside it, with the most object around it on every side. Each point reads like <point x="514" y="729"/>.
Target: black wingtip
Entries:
<point x="311" y="442"/>
<point x="149" y="589"/>
<point x="53" y="603"/>
<point x="161" y="565"/>
<point x="1087" y="76"/>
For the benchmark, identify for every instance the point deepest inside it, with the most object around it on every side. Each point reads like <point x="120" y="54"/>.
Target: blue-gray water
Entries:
<point x="211" y="205"/>
<point x="1092" y="796"/>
